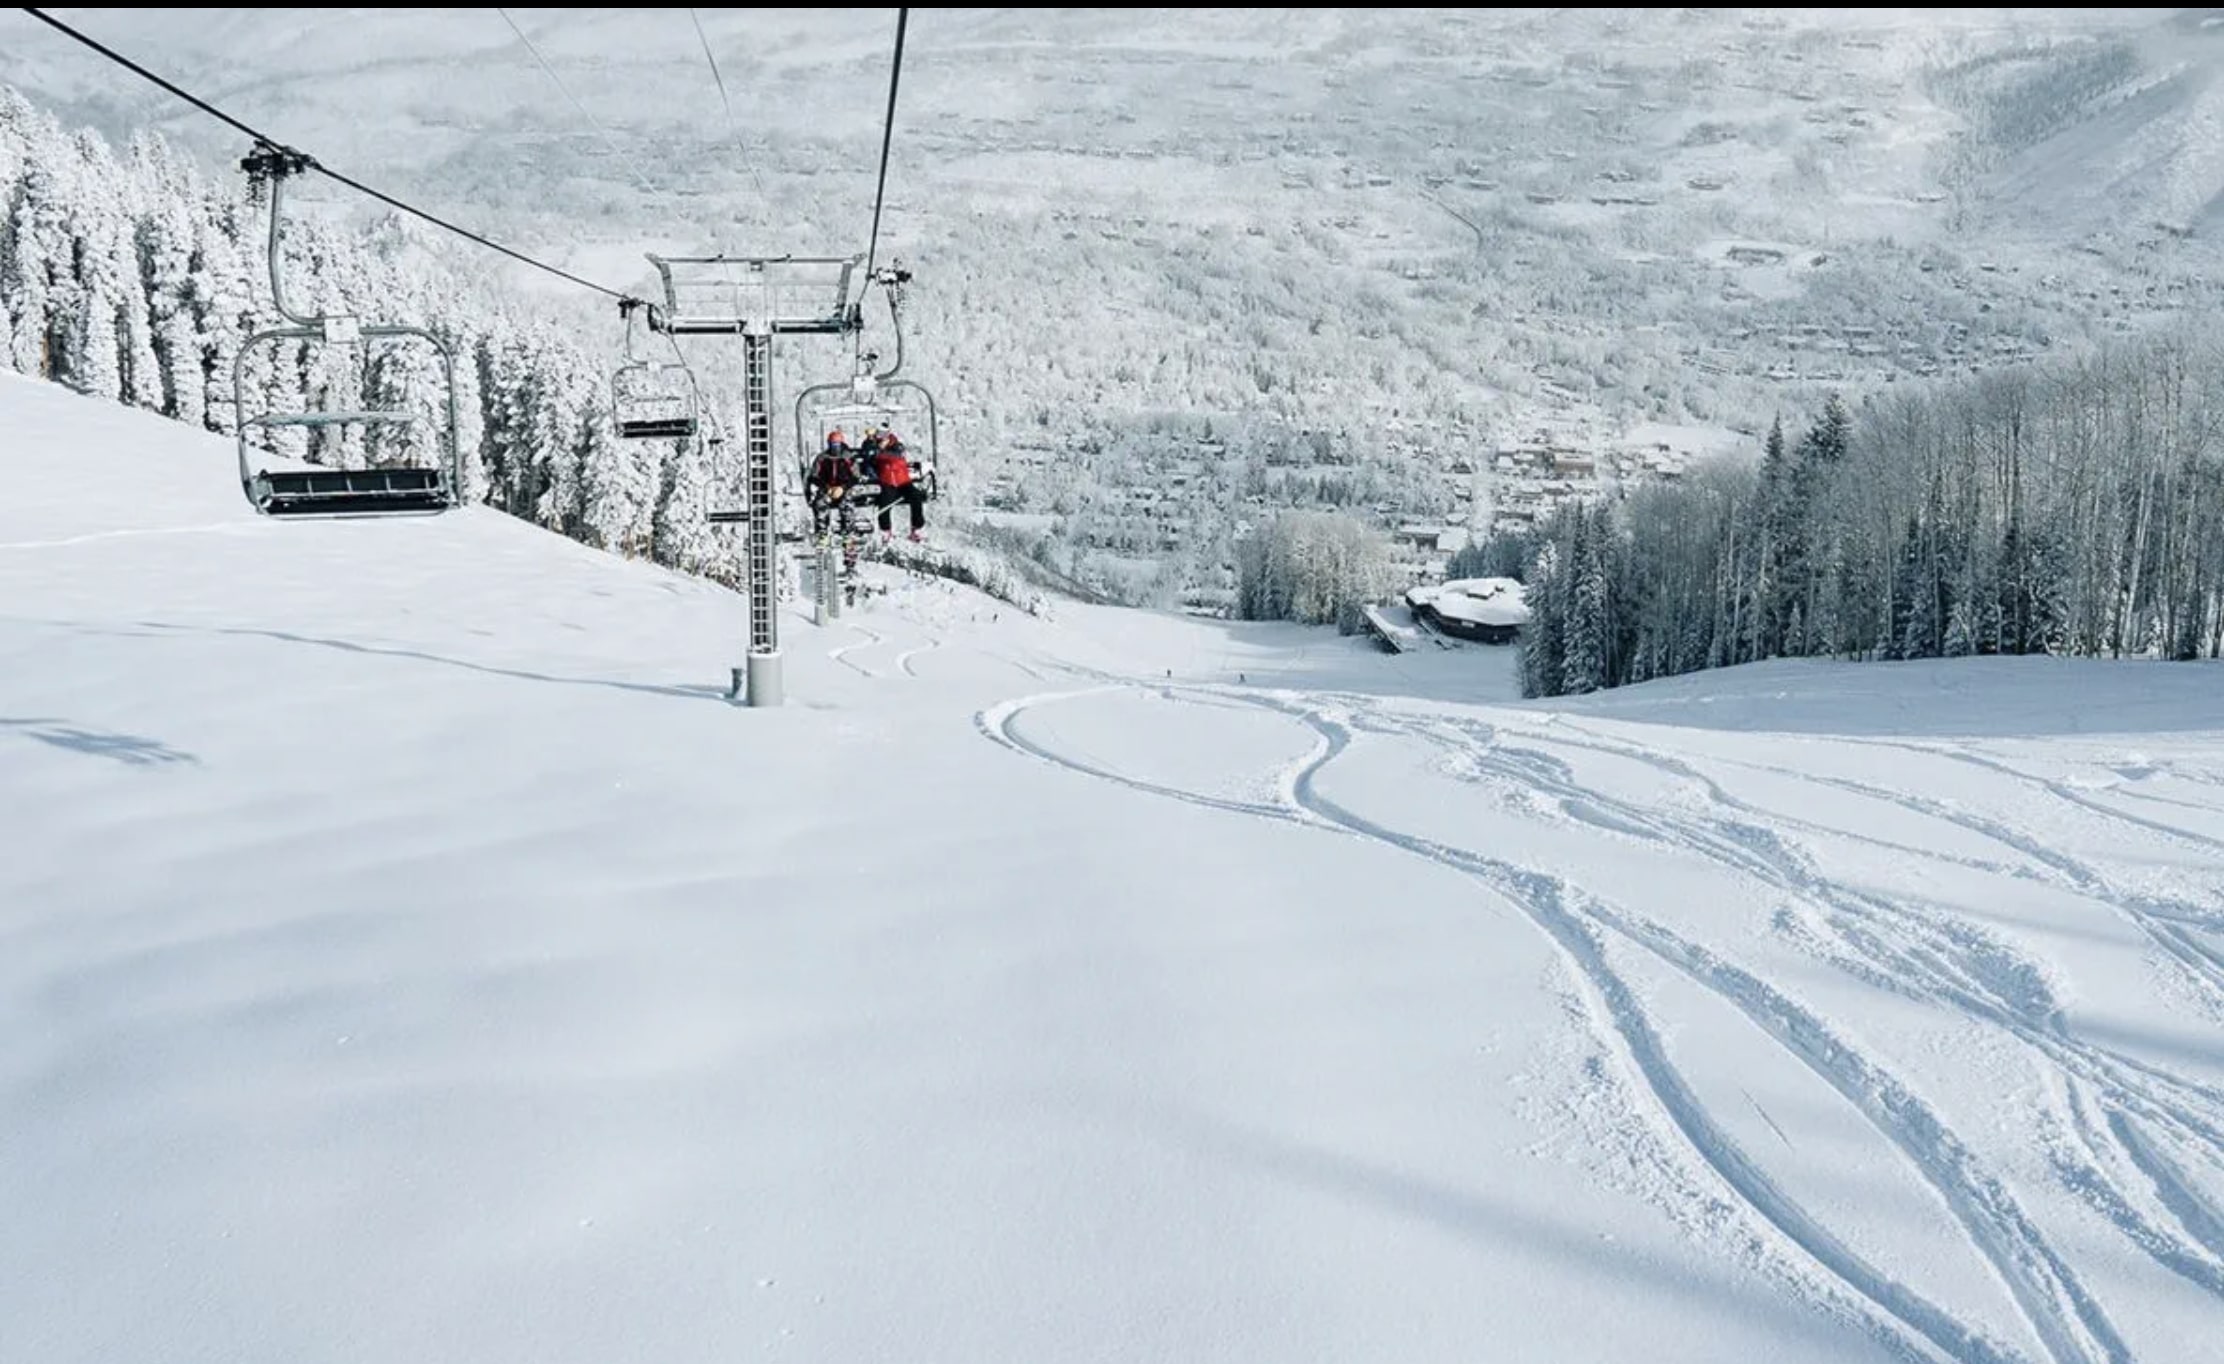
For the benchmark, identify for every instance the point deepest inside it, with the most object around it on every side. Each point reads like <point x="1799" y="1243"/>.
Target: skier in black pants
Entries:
<point x="891" y="469"/>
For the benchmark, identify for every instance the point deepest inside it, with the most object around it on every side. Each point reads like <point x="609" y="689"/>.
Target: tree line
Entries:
<point x="2071" y="508"/>
<point x="135" y="278"/>
<point x="1313" y="567"/>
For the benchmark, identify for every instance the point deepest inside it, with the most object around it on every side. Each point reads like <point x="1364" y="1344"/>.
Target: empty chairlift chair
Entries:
<point x="650" y="401"/>
<point x="395" y="490"/>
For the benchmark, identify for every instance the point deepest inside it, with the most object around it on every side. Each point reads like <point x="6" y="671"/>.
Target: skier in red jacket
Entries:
<point x="890" y="467"/>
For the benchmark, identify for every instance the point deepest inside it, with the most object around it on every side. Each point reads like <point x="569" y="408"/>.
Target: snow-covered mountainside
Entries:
<point x="406" y="952"/>
<point x="1297" y="257"/>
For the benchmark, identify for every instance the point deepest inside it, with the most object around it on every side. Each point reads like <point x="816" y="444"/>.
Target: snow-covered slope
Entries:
<point x="406" y="953"/>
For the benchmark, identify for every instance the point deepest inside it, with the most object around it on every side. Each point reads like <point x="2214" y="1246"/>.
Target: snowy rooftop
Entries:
<point x="1479" y="601"/>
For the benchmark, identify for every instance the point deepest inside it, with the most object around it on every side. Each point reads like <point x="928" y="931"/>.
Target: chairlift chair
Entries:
<point x="871" y="405"/>
<point x="395" y="490"/>
<point x="649" y="400"/>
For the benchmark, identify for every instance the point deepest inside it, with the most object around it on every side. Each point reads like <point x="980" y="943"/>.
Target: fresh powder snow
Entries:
<point x="408" y="953"/>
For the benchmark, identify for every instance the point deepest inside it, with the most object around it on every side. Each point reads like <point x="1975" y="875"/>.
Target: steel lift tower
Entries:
<point x="757" y="298"/>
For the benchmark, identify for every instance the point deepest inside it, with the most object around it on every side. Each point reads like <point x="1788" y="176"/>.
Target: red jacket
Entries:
<point x="891" y="469"/>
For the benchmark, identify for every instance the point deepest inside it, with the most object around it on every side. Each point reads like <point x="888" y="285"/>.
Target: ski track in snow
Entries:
<point x="90" y="537"/>
<point x="841" y="652"/>
<point x="2053" y="1301"/>
<point x="2069" y="794"/>
<point x="2163" y="919"/>
<point x="2124" y="1087"/>
<point x="1917" y="951"/>
<point x="903" y="660"/>
<point x="2101" y="1169"/>
<point x="1621" y="1023"/>
<point x="2169" y="923"/>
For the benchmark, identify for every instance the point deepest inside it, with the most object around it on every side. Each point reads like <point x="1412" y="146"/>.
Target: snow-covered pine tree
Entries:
<point x="561" y="391"/>
<point x="1541" y="639"/>
<point x="1822" y="456"/>
<point x="228" y="293"/>
<point x="404" y="374"/>
<point x="470" y="407"/>
<point x="508" y="397"/>
<point x="1766" y="555"/>
<point x="115" y="338"/>
<point x="166" y="240"/>
<point x="618" y="484"/>
<point x="680" y="532"/>
<point x="37" y="281"/>
<point x="1586" y="626"/>
<point x="1917" y="627"/>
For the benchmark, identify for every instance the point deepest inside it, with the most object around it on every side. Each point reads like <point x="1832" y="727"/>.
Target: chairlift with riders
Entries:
<point x="869" y="402"/>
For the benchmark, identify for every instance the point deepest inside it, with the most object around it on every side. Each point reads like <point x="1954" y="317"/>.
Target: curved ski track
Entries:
<point x="2117" y="1102"/>
<point x="841" y="652"/>
<point x="1956" y="965"/>
<point x="903" y="660"/>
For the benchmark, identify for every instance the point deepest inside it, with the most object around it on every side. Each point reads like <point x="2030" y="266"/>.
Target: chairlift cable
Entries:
<point x="467" y="233"/>
<point x="592" y="121"/>
<point x="735" y="133"/>
<point x="111" y="54"/>
<point x="312" y="163"/>
<point x="727" y="103"/>
<point x="887" y="134"/>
